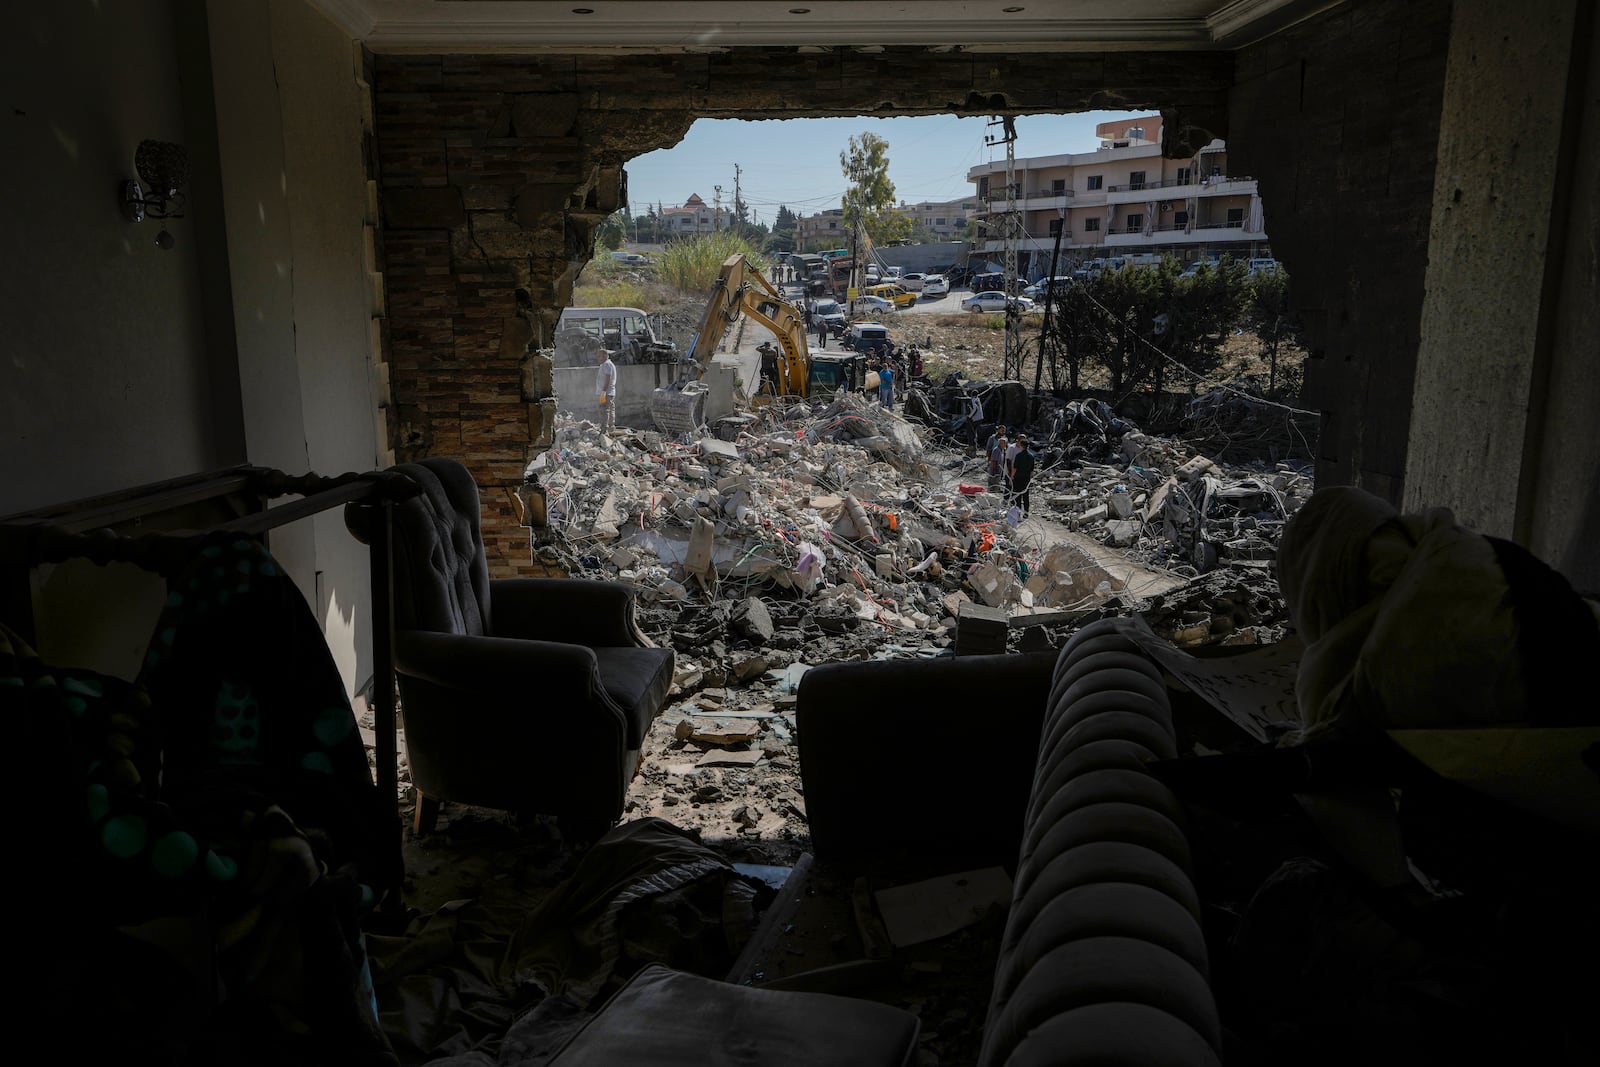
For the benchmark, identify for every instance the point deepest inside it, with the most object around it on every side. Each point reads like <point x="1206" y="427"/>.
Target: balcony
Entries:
<point x="1037" y="200"/>
<point x="1172" y="234"/>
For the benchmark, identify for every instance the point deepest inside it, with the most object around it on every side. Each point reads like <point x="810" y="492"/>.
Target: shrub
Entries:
<point x="693" y="263"/>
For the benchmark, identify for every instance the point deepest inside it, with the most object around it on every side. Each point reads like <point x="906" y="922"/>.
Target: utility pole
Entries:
<point x="1012" y="224"/>
<point x="716" y="205"/>
<point x="738" y="198"/>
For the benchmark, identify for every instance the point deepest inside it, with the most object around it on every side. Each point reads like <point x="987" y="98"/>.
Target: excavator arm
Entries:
<point x="740" y="289"/>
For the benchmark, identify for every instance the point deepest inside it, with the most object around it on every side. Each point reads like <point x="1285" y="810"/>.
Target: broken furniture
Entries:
<point x="1103" y="958"/>
<point x="529" y="695"/>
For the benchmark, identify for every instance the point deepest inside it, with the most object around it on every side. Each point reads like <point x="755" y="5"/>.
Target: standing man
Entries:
<point x="605" y="383"/>
<point x="822" y="332"/>
<point x="1021" y="473"/>
<point x="886" y="385"/>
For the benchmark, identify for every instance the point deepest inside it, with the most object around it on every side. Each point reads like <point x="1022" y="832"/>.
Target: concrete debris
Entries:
<point x="842" y="531"/>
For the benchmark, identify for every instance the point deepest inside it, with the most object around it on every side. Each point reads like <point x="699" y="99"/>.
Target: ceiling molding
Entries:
<point x="479" y="26"/>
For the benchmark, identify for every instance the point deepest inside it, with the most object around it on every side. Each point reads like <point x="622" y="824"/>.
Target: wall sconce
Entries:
<point x="164" y="166"/>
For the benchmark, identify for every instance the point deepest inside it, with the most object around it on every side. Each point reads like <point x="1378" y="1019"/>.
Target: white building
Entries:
<point x="695" y="216"/>
<point x="1122" y="198"/>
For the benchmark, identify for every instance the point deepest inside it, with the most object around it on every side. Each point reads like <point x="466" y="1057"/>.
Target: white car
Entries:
<point x="871" y="305"/>
<point x="993" y="300"/>
<point x="912" y="282"/>
<point x="935" y="285"/>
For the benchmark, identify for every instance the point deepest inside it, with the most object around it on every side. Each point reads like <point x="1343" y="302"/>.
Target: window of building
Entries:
<point x="1180" y="218"/>
<point x="1136" y="131"/>
<point x="938" y="222"/>
<point x="833" y="225"/>
<point x="1184" y="175"/>
<point x="1091" y="225"/>
<point x="1058" y="186"/>
<point x="983" y="188"/>
<point x="1094" y="181"/>
<point x="1236" y="216"/>
<point x="1135" y="223"/>
<point x="1136" y="180"/>
<point x="1055" y="227"/>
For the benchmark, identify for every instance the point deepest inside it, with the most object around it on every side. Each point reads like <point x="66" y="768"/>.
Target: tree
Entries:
<point x="1266" y="310"/>
<point x="610" y="233"/>
<point x="866" y="165"/>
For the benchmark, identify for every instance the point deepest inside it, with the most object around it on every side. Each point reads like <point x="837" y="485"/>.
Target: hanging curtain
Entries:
<point x="1149" y="217"/>
<point x="1194" y="206"/>
<point x="1111" y="214"/>
<point x="1253" y="221"/>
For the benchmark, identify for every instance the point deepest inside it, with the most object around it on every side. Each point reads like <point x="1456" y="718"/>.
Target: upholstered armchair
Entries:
<point x="530" y="695"/>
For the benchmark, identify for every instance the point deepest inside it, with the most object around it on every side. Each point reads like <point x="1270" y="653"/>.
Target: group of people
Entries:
<point x="1011" y="464"/>
<point x="896" y="365"/>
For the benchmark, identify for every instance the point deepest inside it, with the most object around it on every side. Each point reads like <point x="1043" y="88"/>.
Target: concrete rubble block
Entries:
<point x="751" y="618"/>
<point x="996" y="586"/>
<point x="1119" y="504"/>
<point x="1158" y="499"/>
<point x="883" y="564"/>
<point x="1195" y="468"/>
<point x="711" y="447"/>
<point x="702" y="538"/>
<point x="1098" y="513"/>
<point x="1122" y="532"/>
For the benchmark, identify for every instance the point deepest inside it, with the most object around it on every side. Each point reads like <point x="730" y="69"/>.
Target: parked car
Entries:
<point x="935" y="285"/>
<point x="994" y="300"/>
<point x="829" y="312"/>
<point x="1263" y="266"/>
<point x="871" y="305"/>
<point x="913" y="282"/>
<point x="867" y="337"/>
<point x="895" y="294"/>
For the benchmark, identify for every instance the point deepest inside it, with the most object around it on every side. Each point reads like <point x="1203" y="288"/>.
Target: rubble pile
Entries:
<point x="803" y="533"/>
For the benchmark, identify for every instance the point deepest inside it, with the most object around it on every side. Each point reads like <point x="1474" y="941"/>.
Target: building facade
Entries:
<point x="825" y="229"/>
<point x="946" y="218"/>
<point x="695" y="216"/>
<point x="1121" y="199"/>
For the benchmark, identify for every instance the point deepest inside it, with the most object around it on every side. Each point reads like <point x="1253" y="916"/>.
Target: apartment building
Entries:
<point x="944" y="218"/>
<point x="695" y="216"/>
<point x="825" y="229"/>
<point x="1122" y="198"/>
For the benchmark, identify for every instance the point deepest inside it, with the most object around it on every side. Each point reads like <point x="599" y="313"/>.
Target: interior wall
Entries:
<point x="1337" y="118"/>
<point x="292" y="116"/>
<point x="107" y="377"/>
<point x="1507" y="382"/>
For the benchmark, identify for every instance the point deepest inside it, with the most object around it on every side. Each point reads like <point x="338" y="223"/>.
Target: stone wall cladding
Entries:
<point x="496" y="170"/>
<point x="1338" y="119"/>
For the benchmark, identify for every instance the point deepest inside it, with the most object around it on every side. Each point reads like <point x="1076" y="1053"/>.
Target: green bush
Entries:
<point x="618" y="293"/>
<point x="693" y="263"/>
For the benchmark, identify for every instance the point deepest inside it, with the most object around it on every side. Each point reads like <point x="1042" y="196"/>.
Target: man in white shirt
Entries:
<point x="605" y="383"/>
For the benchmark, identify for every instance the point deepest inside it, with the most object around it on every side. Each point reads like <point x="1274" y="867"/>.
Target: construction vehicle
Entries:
<point x="787" y="370"/>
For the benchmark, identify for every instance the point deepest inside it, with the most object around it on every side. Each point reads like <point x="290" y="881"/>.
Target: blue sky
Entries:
<point x="795" y="162"/>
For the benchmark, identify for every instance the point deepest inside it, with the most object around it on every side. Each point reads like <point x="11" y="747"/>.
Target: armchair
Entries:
<point x="530" y="695"/>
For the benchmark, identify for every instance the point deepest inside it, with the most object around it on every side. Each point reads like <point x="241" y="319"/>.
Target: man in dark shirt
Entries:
<point x="1021" y="473"/>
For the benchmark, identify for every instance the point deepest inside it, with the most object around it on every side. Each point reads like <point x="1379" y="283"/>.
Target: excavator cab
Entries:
<point x="831" y="373"/>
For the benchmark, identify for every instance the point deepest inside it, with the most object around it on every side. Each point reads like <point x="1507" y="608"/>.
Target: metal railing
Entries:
<point x="1168" y="183"/>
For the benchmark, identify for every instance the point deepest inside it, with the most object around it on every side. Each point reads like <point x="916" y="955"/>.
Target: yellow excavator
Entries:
<point x="789" y="369"/>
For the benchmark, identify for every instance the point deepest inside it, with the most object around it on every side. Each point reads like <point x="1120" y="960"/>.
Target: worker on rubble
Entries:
<point x="1021" y="472"/>
<point x="605" y="384"/>
<point x="997" y="458"/>
<point x="972" y="412"/>
<point x="886" y="385"/>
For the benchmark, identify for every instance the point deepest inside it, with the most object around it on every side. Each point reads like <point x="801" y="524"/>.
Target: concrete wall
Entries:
<point x="575" y="391"/>
<point x="106" y="379"/>
<point x="1507" y="379"/>
<point x="293" y="113"/>
<point x="251" y="341"/>
<point x="1337" y="118"/>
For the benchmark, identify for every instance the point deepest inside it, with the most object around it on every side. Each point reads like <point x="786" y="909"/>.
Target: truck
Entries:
<point x="788" y="369"/>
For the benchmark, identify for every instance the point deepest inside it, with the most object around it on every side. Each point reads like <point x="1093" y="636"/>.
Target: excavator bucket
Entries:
<point x="679" y="408"/>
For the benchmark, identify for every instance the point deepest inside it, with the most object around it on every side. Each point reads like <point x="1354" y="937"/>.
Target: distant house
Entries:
<point x="695" y="216"/>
